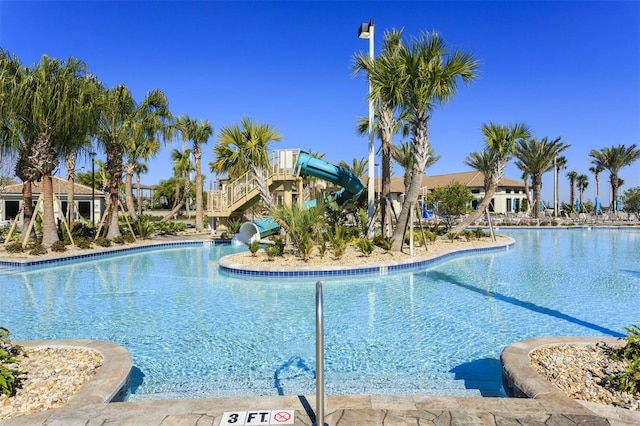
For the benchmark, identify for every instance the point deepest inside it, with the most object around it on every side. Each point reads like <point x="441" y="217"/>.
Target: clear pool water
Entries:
<point x="194" y="332"/>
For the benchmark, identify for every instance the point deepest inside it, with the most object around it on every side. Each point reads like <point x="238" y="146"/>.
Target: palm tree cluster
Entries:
<point x="408" y="81"/>
<point x="56" y="111"/>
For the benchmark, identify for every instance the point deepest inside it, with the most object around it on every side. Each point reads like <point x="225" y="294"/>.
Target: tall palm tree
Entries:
<point x="120" y="120"/>
<point x="16" y="140"/>
<point x="500" y="144"/>
<point x="596" y="170"/>
<point x="53" y="105"/>
<point x="535" y="158"/>
<point x="181" y="166"/>
<point x="201" y="134"/>
<point x="384" y="75"/>
<point x="613" y="159"/>
<point x="402" y="155"/>
<point x="430" y="75"/>
<point x="139" y="169"/>
<point x="582" y="181"/>
<point x="561" y="164"/>
<point x="572" y="175"/>
<point x="239" y="148"/>
<point x="140" y="146"/>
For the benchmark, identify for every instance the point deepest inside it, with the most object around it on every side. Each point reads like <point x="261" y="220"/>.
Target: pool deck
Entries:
<point x="548" y="406"/>
<point x="545" y="404"/>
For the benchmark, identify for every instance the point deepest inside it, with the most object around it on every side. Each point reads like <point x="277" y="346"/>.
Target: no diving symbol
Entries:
<point x="281" y="417"/>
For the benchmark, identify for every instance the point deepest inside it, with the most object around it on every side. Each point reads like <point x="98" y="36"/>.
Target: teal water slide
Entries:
<point x="307" y="165"/>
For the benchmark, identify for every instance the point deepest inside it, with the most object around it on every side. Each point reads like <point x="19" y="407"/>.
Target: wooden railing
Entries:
<point x="223" y="202"/>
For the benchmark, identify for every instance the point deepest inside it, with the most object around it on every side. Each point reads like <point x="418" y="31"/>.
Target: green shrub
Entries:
<point x="479" y="232"/>
<point x="84" y="243"/>
<point x="322" y="249"/>
<point x="103" y="242"/>
<point x="128" y="238"/>
<point x="629" y="354"/>
<point x="10" y="376"/>
<point x="37" y="249"/>
<point x="365" y="246"/>
<point x="15" y="247"/>
<point x="143" y="228"/>
<point x="233" y="225"/>
<point x="254" y="246"/>
<point x="384" y="243"/>
<point x="305" y="248"/>
<point x="338" y="248"/>
<point x="451" y="236"/>
<point x="277" y="249"/>
<point x="119" y="239"/>
<point x="58" y="247"/>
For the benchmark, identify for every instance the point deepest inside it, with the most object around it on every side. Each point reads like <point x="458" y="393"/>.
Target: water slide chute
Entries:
<point x="307" y="165"/>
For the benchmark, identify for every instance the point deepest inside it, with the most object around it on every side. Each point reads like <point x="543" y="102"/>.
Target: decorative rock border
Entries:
<point x="109" y="384"/>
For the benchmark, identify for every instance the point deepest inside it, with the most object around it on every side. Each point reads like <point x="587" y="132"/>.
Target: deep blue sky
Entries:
<point x="566" y="68"/>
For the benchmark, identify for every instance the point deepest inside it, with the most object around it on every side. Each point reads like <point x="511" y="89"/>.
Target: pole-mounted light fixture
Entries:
<point x="366" y="31"/>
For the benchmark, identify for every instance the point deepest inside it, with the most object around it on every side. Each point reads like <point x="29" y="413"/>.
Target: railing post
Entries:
<point x="319" y="357"/>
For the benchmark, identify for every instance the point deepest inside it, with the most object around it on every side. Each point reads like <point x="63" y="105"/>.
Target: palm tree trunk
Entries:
<point x="420" y="150"/>
<point x="386" y="127"/>
<point x="71" y="176"/>
<point x="139" y="194"/>
<point x="49" y="229"/>
<point x="199" y="213"/>
<point x="128" y="191"/>
<point x="477" y="213"/>
<point x="27" y="203"/>
<point x="537" y="193"/>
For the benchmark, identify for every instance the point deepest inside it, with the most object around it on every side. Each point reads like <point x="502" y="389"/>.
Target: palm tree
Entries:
<point x="596" y="170"/>
<point x="239" y="148"/>
<point x="52" y="108"/>
<point x="357" y="167"/>
<point x="572" y="175"/>
<point x="430" y="75"/>
<point x="139" y="169"/>
<point x="535" y="158"/>
<point x="383" y="74"/>
<point x="16" y="140"/>
<point x="121" y="119"/>
<point x="613" y="159"/>
<point x="141" y="145"/>
<point x="181" y="166"/>
<point x="404" y="157"/>
<point x="582" y="181"/>
<point x="201" y="134"/>
<point x="500" y="144"/>
<point x="560" y="164"/>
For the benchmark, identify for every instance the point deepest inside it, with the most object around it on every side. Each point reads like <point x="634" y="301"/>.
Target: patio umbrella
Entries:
<point x="577" y="204"/>
<point x="597" y="206"/>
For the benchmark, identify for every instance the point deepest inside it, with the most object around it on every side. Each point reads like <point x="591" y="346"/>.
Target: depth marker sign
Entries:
<point x="260" y="417"/>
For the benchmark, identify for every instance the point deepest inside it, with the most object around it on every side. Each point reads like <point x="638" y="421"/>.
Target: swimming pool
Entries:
<point x="194" y="332"/>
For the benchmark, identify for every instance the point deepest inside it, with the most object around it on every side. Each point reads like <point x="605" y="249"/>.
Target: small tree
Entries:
<point x="453" y="201"/>
<point x="631" y="199"/>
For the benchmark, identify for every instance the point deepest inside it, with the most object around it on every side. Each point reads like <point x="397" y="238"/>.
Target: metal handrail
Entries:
<point x="319" y="357"/>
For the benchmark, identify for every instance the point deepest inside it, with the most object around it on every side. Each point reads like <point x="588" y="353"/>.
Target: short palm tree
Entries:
<point x="357" y="167"/>
<point x="140" y="147"/>
<point x="572" y="175"/>
<point x="181" y="166"/>
<point x="613" y="159"/>
<point x="500" y="144"/>
<point x="560" y="164"/>
<point x="535" y="158"/>
<point x="430" y="75"/>
<point x="239" y="148"/>
<point x="582" y="182"/>
<point x="596" y="170"/>
<point x="202" y="131"/>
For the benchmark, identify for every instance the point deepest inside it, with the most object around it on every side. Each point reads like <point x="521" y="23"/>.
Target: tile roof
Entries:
<point x="59" y="186"/>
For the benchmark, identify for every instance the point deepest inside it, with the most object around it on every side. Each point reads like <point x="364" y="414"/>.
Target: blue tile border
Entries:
<point x="62" y="259"/>
<point x="228" y="266"/>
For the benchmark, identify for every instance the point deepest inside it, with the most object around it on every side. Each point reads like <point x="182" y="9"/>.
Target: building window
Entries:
<point x="11" y="209"/>
<point x="84" y="209"/>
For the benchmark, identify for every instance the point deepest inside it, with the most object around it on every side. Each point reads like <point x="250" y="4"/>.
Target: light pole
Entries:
<point x="366" y="31"/>
<point x="93" y="188"/>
